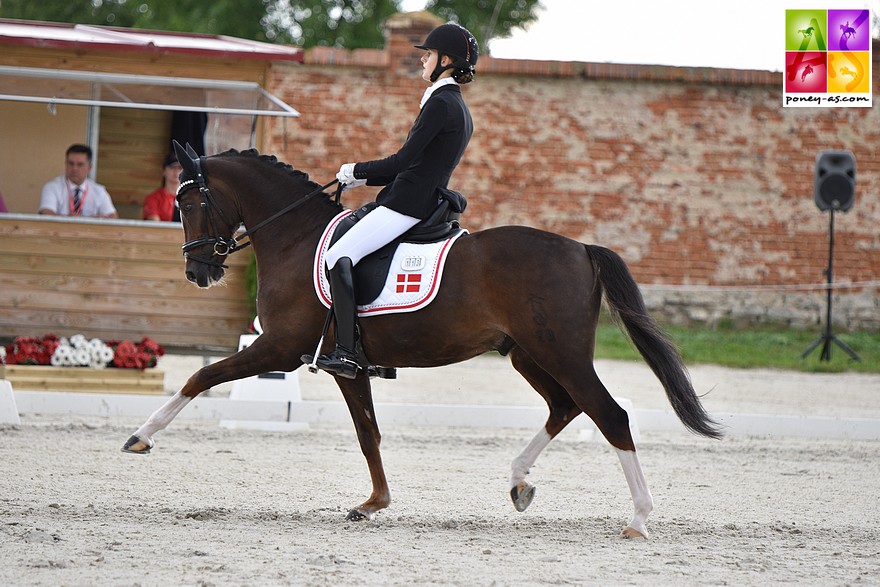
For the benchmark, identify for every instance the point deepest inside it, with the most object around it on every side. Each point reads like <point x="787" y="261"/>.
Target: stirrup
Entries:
<point x="372" y="370"/>
<point x="339" y="364"/>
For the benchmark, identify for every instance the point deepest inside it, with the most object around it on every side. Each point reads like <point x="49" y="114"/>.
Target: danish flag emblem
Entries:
<point x="409" y="282"/>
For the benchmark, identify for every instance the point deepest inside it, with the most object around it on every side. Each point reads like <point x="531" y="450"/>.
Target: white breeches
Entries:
<point x="370" y="233"/>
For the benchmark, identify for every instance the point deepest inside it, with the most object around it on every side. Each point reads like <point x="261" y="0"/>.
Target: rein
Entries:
<point x="222" y="247"/>
<point x="281" y="212"/>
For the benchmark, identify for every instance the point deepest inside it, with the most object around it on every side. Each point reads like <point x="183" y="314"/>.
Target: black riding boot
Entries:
<point x="342" y="361"/>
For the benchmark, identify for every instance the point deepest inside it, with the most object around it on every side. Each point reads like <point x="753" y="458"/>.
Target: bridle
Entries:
<point x="221" y="246"/>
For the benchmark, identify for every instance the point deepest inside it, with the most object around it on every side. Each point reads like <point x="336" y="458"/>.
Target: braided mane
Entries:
<point x="273" y="161"/>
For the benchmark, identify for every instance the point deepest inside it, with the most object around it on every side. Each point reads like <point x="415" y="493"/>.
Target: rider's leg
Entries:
<point x="373" y="231"/>
<point x="370" y="233"/>
<point x="342" y="361"/>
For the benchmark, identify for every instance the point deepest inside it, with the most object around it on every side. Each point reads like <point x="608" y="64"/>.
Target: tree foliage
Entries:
<point x="350" y="24"/>
<point x="486" y="19"/>
<point x="237" y="18"/>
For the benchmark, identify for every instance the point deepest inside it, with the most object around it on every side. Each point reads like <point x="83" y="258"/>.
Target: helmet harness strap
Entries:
<point x="439" y="69"/>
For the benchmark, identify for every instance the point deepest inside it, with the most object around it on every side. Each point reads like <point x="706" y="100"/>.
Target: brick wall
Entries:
<point x="696" y="176"/>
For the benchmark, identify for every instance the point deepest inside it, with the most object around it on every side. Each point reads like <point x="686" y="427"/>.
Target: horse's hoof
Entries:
<point x="522" y="495"/>
<point x="356" y="516"/>
<point x="137" y="446"/>
<point x="629" y="532"/>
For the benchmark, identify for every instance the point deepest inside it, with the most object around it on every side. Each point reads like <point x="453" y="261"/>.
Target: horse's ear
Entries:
<point x="187" y="162"/>
<point x="178" y="149"/>
<point x="191" y="152"/>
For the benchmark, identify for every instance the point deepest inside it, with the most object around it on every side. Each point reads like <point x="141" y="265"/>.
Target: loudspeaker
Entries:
<point x="835" y="180"/>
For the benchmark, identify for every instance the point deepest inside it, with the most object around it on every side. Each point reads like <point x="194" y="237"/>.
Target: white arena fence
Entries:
<point x="272" y="401"/>
<point x="298" y="414"/>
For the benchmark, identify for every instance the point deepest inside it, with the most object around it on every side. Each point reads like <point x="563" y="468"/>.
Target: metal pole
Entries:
<point x="826" y="338"/>
<point x="826" y="347"/>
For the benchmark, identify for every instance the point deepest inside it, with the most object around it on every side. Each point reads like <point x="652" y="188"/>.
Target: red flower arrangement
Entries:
<point x="29" y="350"/>
<point x="128" y="355"/>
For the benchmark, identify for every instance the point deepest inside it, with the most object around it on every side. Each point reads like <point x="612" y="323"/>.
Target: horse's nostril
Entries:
<point x="190" y="276"/>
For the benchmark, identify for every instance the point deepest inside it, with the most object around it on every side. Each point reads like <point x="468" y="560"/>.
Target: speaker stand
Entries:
<point x="827" y="337"/>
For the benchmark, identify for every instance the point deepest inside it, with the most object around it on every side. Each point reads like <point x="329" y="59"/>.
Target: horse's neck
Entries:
<point x="295" y="234"/>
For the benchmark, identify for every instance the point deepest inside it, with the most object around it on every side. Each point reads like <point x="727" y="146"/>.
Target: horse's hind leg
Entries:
<point x="587" y="390"/>
<point x="641" y="495"/>
<point x="359" y="398"/>
<point x="562" y="411"/>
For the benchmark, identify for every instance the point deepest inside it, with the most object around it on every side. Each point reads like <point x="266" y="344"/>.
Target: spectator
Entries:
<point x="74" y="194"/>
<point x="160" y="204"/>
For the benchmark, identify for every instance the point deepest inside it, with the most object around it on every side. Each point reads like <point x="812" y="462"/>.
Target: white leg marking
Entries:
<point x="520" y="466"/>
<point x="162" y="417"/>
<point x="638" y="487"/>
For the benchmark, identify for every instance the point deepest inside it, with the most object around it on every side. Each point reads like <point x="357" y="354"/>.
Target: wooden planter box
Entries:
<point x="84" y="379"/>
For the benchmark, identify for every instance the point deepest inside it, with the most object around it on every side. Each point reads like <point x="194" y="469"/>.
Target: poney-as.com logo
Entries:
<point x="827" y="58"/>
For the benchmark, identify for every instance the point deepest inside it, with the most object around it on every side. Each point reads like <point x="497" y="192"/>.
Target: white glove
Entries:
<point x="346" y="177"/>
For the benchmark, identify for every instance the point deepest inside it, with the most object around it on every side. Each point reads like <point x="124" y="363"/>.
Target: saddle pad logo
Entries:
<point x="412" y="283"/>
<point x="412" y="263"/>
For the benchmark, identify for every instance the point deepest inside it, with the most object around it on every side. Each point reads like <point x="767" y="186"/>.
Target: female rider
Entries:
<point x="411" y="178"/>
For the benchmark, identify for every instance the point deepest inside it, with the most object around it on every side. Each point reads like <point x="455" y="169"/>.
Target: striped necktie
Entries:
<point x="76" y="200"/>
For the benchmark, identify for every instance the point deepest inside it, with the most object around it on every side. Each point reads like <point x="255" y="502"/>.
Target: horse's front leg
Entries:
<point x="142" y="440"/>
<point x="359" y="398"/>
<point x="247" y="362"/>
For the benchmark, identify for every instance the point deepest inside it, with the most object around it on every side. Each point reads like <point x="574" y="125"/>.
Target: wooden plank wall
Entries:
<point x="114" y="280"/>
<point x="132" y="146"/>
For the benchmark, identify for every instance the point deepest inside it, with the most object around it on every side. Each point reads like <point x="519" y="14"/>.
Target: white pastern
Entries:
<point x="638" y="487"/>
<point x="162" y="417"/>
<point x="520" y="466"/>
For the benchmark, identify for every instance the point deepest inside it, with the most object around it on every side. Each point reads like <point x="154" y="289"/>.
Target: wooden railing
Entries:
<point x="114" y="280"/>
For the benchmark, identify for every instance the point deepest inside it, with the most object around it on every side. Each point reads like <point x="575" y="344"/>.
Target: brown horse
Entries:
<point x="526" y="293"/>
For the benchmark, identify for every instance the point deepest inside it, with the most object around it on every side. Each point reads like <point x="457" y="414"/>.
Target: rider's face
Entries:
<point x="429" y="62"/>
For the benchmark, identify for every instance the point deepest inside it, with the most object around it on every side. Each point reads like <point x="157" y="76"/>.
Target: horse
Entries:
<point x="807" y="71"/>
<point x="529" y="294"/>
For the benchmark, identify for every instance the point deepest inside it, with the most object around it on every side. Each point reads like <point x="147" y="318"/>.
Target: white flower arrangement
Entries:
<point x="79" y="352"/>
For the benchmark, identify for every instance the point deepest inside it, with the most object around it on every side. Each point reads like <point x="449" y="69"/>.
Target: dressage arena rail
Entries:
<point x="273" y="401"/>
<point x="114" y="280"/>
<point x="303" y="412"/>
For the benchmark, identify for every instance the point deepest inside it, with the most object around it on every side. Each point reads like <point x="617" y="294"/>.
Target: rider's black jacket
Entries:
<point x="426" y="160"/>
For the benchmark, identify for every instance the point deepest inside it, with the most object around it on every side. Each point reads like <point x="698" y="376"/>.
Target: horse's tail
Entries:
<point x="628" y="309"/>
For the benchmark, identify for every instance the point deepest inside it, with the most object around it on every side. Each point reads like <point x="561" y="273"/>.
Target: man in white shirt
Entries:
<point x="74" y="194"/>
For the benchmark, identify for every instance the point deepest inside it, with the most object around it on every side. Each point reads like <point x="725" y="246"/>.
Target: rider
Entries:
<point x="411" y="178"/>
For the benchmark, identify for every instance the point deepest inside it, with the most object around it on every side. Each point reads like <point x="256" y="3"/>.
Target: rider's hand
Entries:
<point x="346" y="173"/>
<point x="346" y="177"/>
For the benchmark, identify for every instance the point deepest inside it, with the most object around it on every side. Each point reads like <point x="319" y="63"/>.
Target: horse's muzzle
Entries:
<point x="204" y="276"/>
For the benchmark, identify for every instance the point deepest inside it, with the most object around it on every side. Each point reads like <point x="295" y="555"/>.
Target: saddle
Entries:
<point x="371" y="272"/>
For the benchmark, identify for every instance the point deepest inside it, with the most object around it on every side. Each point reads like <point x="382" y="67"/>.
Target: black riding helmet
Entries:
<point x="457" y="42"/>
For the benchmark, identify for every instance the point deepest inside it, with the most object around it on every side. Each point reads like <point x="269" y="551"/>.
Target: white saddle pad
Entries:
<point x="413" y="277"/>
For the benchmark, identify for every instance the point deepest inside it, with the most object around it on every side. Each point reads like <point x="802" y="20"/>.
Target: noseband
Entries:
<point x="222" y="246"/>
